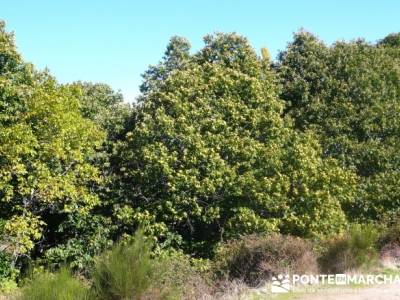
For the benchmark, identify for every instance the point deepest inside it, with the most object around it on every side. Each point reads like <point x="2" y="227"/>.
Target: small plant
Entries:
<point x="128" y="271"/>
<point x="354" y="250"/>
<point x="55" y="286"/>
<point x="125" y="271"/>
<point x="256" y="258"/>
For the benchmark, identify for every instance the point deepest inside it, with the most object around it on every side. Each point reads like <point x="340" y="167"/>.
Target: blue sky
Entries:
<point x="114" y="41"/>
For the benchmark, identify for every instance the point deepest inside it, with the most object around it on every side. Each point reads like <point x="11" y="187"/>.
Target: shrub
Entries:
<point x="128" y="271"/>
<point x="354" y="250"/>
<point x="391" y="234"/>
<point x="55" y="286"/>
<point x="389" y="256"/>
<point x="255" y="258"/>
<point x="8" y="274"/>
<point x="89" y="236"/>
<point x="389" y="242"/>
<point x="125" y="271"/>
<point x="188" y="275"/>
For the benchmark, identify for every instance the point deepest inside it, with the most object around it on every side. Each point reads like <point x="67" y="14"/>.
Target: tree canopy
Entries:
<point x="348" y="93"/>
<point x="211" y="156"/>
<point x="45" y="151"/>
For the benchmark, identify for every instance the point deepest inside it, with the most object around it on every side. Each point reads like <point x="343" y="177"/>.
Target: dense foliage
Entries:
<point x="46" y="148"/>
<point x="349" y="95"/>
<point x="221" y="143"/>
<point x="211" y="157"/>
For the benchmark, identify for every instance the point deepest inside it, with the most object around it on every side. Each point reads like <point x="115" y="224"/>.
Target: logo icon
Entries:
<point x="281" y="284"/>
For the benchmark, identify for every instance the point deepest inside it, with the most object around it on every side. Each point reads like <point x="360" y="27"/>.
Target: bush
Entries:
<point x="89" y="236"/>
<point x="389" y="242"/>
<point x="55" y="286"/>
<point x="8" y="274"/>
<point x="391" y="233"/>
<point x="390" y="256"/>
<point x="354" y="250"/>
<point x="125" y="271"/>
<point x="255" y="258"/>
<point x="129" y="272"/>
<point x="189" y="276"/>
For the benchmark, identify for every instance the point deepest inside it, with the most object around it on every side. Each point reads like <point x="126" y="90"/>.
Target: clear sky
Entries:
<point x="114" y="41"/>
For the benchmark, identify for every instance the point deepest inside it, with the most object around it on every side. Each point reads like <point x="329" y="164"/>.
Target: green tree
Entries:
<point x="102" y="105"/>
<point x="348" y="93"/>
<point x="81" y="237"/>
<point x="45" y="152"/>
<point x="209" y="155"/>
<point x="175" y="57"/>
<point x="391" y="40"/>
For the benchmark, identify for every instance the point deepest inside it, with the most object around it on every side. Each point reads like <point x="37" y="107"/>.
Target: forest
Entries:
<point x="226" y="157"/>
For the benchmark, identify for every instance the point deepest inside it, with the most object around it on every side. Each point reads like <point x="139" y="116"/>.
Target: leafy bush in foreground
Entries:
<point x="129" y="271"/>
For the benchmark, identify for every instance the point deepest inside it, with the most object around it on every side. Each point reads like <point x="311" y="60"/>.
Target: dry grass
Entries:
<point x="254" y="259"/>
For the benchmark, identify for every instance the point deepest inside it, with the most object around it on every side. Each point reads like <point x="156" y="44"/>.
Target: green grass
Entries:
<point x="387" y="271"/>
<point x="55" y="286"/>
<point x="288" y="296"/>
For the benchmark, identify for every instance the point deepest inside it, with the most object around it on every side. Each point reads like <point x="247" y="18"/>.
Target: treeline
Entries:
<point x="221" y="142"/>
